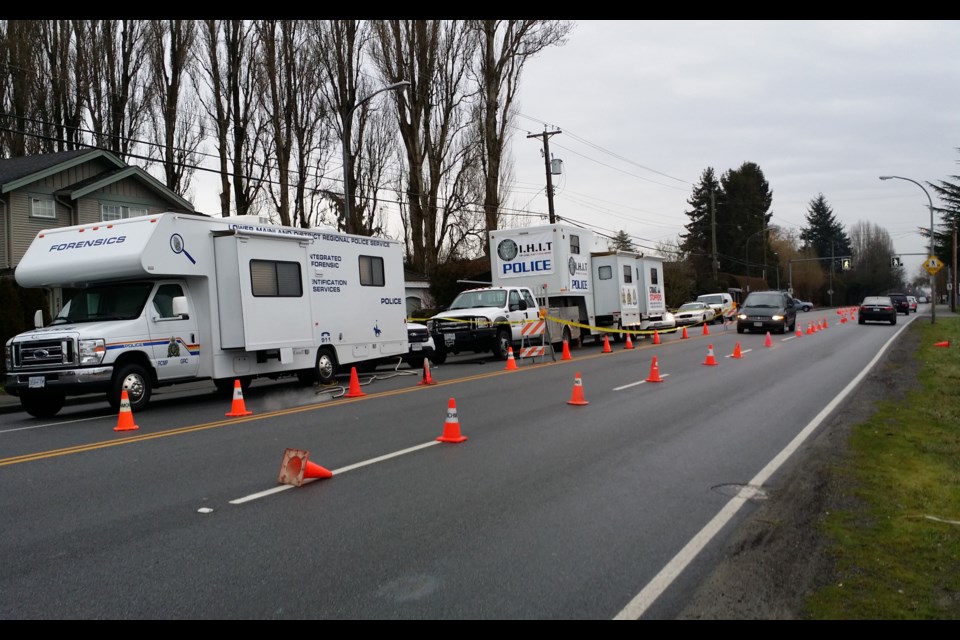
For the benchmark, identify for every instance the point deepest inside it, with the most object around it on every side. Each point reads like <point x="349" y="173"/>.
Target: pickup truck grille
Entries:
<point x="453" y="326"/>
<point x="42" y="353"/>
<point x="418" y="335"/>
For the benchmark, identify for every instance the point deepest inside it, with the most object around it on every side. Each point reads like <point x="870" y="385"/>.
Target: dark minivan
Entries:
<point x="900" y="302"/>
<point x="774" y="311"/>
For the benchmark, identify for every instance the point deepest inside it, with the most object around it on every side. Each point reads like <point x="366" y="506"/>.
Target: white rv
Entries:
<point x="593" y="290"/>
<point x="172" y="298"/>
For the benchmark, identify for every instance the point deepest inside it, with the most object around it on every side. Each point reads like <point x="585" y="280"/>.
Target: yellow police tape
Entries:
<point x="647" y="332"/>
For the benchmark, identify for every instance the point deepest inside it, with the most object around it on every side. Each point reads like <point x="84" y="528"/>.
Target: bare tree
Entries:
<point x="505" y="46"/>
<point x="289" y="94"/>
<point x="231" y="101"/>
<point x="115" y="52"/>
<point x="175" y="119"/>
<point x="17" y="88"/>
<point x="435" y="56"/>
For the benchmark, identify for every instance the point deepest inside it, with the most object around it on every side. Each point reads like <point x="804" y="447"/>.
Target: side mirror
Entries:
<point x="38" y="319"/>
<point x="523" y="305"/>
<point x="180" y="307"/>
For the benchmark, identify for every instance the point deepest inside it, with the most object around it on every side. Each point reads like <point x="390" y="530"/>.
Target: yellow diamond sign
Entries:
<point x="932" y="265"/>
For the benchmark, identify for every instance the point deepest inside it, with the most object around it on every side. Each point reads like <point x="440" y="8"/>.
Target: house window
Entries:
<point x="110" y="212"/>
<point x="371" y="271"/>
<point x="43" y="208"/>
<point x="275" y="279"/>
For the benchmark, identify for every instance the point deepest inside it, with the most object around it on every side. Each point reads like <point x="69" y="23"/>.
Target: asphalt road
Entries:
<point x="617" y="508"/>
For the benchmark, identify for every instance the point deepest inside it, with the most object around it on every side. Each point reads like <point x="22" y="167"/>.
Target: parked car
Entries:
<point x="922" y="299"/>
<point x="767" y="311"/>
<point x="665" y="322"/>
<point x="694" y="313"/>
<point x="877" y="309"/>
<point x="723" y="305"/>
<point x="421" y="344"/>
<point x="900" y="303"/>
<point x="913" y="303"/>
<point x="803" y="305"/>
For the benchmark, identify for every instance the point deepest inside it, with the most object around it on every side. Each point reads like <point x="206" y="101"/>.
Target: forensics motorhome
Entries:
<point x="172" y="298"/>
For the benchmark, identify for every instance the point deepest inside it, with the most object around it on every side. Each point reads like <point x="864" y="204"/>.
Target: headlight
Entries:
<point x="777" y="318"/>
<point x="431" y="325"/>
<point x="7" y="356"/>
<point x="92" y="351"/>
<point x="741" y="316"/>
<point x="484" y="323"/>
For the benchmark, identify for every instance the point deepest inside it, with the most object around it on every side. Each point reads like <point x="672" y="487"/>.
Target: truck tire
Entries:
<point x="326" y="366"/>
<point x="502" y="344"/>
<point x="41" y="404"/>
<point x="225" y="385"/>
<point x="439" y="355"/>
<point x="135" y="379"/>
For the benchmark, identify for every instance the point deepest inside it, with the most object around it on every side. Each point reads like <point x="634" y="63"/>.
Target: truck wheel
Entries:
<point x="225" y="385"/>
<point x="567" y="337"/>
<point x="439" y="356"/>
<point x="41" y="405"/>
<point x="502" y="344"/>
<point x="326" y="367"/>
<point x="135" y="379"/>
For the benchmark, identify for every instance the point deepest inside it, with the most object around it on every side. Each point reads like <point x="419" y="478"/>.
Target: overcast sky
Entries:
<point x="644" y="107"/>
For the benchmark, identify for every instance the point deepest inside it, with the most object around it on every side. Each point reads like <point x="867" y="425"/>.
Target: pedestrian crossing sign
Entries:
<point x="932" y="265"/>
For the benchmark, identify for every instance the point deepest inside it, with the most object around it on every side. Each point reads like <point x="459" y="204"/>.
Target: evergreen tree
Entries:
<point x="825" y="235"/>
<point x="622" y="242"/>
<point x="697" y="242"/>
<point x="745" y="213"/>
<point x="948" y="194"/>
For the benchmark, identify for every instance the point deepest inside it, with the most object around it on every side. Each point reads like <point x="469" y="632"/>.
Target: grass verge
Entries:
<point x="896" y="541"/>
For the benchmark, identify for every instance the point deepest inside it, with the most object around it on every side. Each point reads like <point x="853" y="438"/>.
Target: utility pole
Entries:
<point x="713" y="227"/>
<point x="833" y="265"/>
<point x="953" y="275"/>
<point x="546" y="161"/>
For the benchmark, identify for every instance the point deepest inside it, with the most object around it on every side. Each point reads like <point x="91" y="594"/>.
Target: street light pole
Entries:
<point x="746" y="249"/>
<point x="347" y="166"/>
<point x="933" y="277"/>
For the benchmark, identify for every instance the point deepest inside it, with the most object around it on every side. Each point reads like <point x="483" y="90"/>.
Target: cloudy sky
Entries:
<point x="643" y="107"/>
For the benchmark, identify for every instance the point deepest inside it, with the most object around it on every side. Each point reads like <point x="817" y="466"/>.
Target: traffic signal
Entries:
<point x="895" y="262"/>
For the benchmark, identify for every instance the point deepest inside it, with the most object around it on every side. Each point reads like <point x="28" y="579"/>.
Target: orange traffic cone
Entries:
<point x="629" y="344"/>
<point x="354" y="391"/>
<point x="566" y="351"/>
<point x="577" y="396"/>
<point x="768" y="342"/>
<point x="825" y="325"/>
<point x="654" y="372"/>
<point x="238" y="408"/>
<point x="125" y="419"/>
<point x="799" y="333"/>
<point x="706" y="330"/>
<point x="710" y="361"/>
<point x="656" y="337"/>
<point x="945" y="343"/>
<point x="295" y="468"/>
<point x="427" y="378"/>
<point x="736" y="352"/>
<point x="809" y="329"/>
<point x="511" y="363"/>
<point x="684" y="335"/>
<point x="606" y="344"/>
<point x="451" y="428"/>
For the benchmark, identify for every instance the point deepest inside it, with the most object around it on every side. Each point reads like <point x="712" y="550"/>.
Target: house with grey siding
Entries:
<point x="83" y="186"/>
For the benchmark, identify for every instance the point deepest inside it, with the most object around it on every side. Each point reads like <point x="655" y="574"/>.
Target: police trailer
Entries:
<point x="173" y="298"/>
<point x="593" y="291"/>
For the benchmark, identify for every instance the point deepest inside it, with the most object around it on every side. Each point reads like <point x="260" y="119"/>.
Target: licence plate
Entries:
<point x="449" y="338"/>
<point x="37" y="382"/>
<point x="416" y="346"/>
<point x="758" y="324"/>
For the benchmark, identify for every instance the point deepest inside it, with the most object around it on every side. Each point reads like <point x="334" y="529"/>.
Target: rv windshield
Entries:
<point x="474" y="299"/>
<point x="122" y="301"/>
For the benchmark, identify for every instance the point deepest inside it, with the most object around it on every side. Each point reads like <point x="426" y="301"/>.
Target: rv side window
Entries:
<point x="605" y="272"/>
<point x="371" y="271"/>
<point x="653" y="276"/>
<point x="627" y="274"/>
<point x="275" y="279"/>
<point x="575" y="244"/>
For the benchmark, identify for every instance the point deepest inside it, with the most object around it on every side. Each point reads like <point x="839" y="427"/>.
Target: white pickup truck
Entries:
<point x="488" y="319"/>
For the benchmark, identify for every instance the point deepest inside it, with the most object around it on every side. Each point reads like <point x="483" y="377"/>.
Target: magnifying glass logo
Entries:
<point x="176" y="245"/>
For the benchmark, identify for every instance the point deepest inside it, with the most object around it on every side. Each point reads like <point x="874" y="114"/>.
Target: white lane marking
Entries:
<point x="52" y="424"/>
<point x="655" y="588"/>
<point x="351" y="467"/>
<point x="633" y="384"/>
